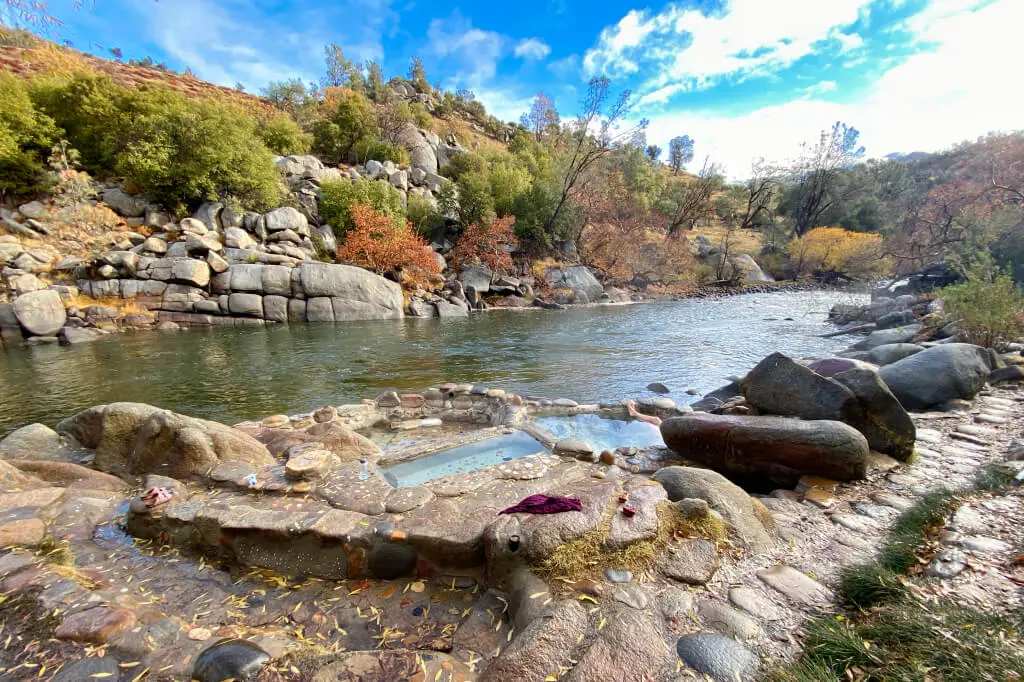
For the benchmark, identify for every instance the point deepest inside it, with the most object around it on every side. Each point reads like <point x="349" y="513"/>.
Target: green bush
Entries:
<point x="182" y="152"/>
<point x="26" y="136"/>
<point x="462" y="163"/>
<point x="987" y="308"/>
<point x="420" y="116"/>
<point x="338" y="196"/>
<point x="379" y="150"/>
<point x="283" y="135"/>
<point x="476" y="204"/>
<point x="93" y="111"/>
<point x="423" y="215"/>
<point x="353" y="119"/>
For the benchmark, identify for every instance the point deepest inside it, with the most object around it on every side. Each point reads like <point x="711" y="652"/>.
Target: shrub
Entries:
<point x="423" y="214"/>
<point x="379" y="150"/>
<point x="827" y="251"/>
<point x="464" y="162"/>
<point x="283" y="136"/>
<point x="988" y="308"/>
<point x="337" y="197"/>
<point x="476" y="204"/>
<point x="487" y="242"/>
<point x="182" y="152"/>
<point x="420" y="116"/>
<point x="26" y="135"/>
<point x="351" y="117"/>
<point x="92" y="110"/>
<point x="379" y="243"/>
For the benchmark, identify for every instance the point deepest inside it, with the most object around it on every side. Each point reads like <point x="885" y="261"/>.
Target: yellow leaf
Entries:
<point x="538" y="594"/>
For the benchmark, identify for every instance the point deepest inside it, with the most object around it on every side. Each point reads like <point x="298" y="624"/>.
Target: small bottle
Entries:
<point x="364" y="469"/>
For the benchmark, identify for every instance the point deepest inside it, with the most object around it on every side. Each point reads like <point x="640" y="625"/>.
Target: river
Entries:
<point x="587" y="354"/>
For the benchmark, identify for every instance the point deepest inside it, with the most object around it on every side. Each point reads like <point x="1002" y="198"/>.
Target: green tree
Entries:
<point x="353" y="119"/>
<point x="283" y="136"/>
<point x="817" y="175"/>
<point x="476" y="203"/>
<point x="92" y="110"/>
<point x="26" y="135"/>
<point x="374" y="81"/>
<point x="680" y="152"/>
<point x="418" y="76"/>
<point x="341" y="72"/>
<point x="652" y="151"/>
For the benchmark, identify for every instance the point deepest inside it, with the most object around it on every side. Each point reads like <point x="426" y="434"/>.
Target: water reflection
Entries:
<point x="588" y="354"/>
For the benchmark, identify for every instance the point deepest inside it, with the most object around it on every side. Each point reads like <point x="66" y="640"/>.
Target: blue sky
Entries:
<point x="744" y="78"/>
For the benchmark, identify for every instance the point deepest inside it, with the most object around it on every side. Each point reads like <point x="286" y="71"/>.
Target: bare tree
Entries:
<point x="816" y="173"/>
<point x="761" y="189"/>
<point x="542" y="117"/>
<point x="593" y="136"/>
<point x="695" y="202"/>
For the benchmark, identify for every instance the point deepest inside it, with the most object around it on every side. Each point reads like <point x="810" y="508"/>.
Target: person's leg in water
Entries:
<point x="650" y="419"/>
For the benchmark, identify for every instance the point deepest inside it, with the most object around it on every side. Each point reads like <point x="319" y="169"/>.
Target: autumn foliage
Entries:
<point x="375" y="242"/>
<point x="488" y="243"/>
<point x="826" y="250"/>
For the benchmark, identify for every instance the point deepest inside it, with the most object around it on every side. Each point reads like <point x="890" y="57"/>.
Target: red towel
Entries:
<point x="545" y="504"/>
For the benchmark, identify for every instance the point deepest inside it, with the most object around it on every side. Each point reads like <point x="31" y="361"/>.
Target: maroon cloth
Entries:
<point x="545" y="504"/>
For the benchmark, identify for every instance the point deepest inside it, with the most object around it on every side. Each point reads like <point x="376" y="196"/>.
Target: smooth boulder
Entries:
<point x="941" y="373"/>
<point x="355" y="294"/>
<point x="769" y="451"/>
<point x="780" y="385"/>
<point x="40" y="313"/>
<point x="880" y="417"/>
<point x="892" y="352"/>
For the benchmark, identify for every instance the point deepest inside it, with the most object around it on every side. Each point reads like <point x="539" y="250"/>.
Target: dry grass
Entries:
<point x="467" y="134"/>
<point x="124" y="306"/>
<point x="586" y="556"/>
<point x="741" y="241"/>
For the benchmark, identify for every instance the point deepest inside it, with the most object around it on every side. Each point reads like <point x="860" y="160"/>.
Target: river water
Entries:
<point x="587" y="354"/>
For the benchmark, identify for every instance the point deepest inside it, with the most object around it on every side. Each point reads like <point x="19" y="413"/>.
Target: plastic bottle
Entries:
<point x="364" y="469"/>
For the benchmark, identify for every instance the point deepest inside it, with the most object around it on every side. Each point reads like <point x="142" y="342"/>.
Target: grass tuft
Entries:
<point x="864" y="586"/>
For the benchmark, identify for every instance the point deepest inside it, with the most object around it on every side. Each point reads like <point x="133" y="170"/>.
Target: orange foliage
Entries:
<point x="377" y="243"/>
<point x="641" y="255"/>
<point x="487" y="243"/>
<point x="835" y="250"/>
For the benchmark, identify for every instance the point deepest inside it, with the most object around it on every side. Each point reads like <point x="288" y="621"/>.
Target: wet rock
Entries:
<point x="527" y="595"/>
<point x="391" y="561"/>
<point x="96" y="625"/>
<point x="733" y="503"/>
<point x="546" y="644"/>
<point x="229" y="659"/>
<point x="571" y="447"/>
<point x="658" y="387"/>
<point x="692" y="561"/>
<point x="720" y="657"/>
<point x="93" y="668"/>
<point x="769" y="450"/>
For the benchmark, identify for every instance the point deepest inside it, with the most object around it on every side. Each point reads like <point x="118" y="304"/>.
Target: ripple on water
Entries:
<point x="588" y="354"/>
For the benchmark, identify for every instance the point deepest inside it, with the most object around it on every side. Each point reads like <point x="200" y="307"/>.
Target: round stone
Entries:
<point x="229" y="659"/>
<point x="718" y="656"/>
<point x="40" y="313"/>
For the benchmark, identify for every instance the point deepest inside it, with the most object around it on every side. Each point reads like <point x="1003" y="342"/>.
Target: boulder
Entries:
<point x="125" y="204"/>
<point x="421" y="152"/>
<point x="355" y="294"/>
<point x="478" y="278"/>
<point x="892" y="352"/>
<point x="881" y="419"/>
<point x="134" y="438"/>
<point x="735" y="506"/>
<point x="286" y="218"/>
<point x="884" y="337"/>
<point x="40" y="313"/>
<point x="71" y="336"/>
<point x="35" y="441"/>
<point x="237" y="238"/>
<point x="769" y="451"/>
<point x="229" y="659"/>
<point x="945" y="372"/>
<point x="446" y="309"/>
<point x="542" y="647"/>
<point x="246" y="305"/>
<point x="209" y="215"/>
<point x="190" y="271"/>
<point x="779" y="385"/>
<point x="579" y="278"/>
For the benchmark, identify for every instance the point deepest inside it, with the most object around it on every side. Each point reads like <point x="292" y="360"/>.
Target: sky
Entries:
<point x="746" y="79"/>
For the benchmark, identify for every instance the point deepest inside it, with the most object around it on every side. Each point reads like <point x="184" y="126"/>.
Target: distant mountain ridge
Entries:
<point x="906" y="158"/>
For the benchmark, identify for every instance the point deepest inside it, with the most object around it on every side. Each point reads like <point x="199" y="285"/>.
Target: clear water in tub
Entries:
<point x="602" y="434"/>
<point x="462" y="459"/>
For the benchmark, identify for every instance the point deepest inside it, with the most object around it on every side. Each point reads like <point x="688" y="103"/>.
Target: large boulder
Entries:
<point x="879" y="417"/>
<point x="347" y="444"/>
<point x="744" y="515"/>
<point x="769" y="451"/>
<point x="125" y="204"/>
<point x="478" y="278"/>
<point x="286" y="218"/>
<point x="884" y="337"/>
<point x="40" y="313"/>
<point x="355" y="294"/>
<point x="134" y="438"/>
<point x="421" y="152"/>
<point x="579" y="278"/>
<point x="945" y="372"/>
<point x="780" y="385"/>
<point x="892" y="352"/>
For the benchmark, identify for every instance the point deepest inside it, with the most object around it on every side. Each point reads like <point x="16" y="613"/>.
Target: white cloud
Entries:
<point x="224" y="42"/>
<point x="566" y="67"/>
<point x="470" y="52"/>
<point x="820" y="88"/>
<point x="502" y="104"/>
<point x="929" y="102"/>
<point x="532" y="48"/>
<point x="686" y="48"/>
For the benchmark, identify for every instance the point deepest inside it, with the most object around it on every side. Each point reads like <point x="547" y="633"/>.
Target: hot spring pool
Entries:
<point x="462" y="459"/>
<point x="602" y="434"/>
